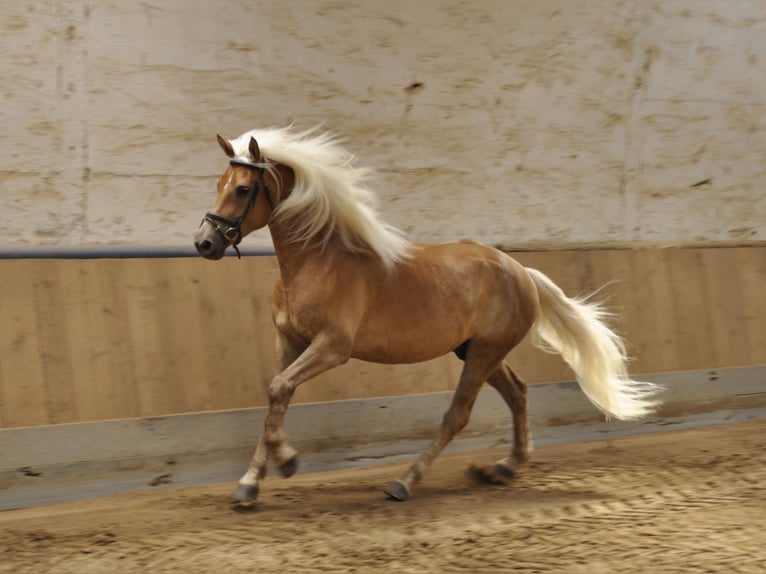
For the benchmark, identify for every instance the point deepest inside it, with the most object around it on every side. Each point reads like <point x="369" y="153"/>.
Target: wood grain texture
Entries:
<point x="23" y="393"/>
<point x="87" y="340"/>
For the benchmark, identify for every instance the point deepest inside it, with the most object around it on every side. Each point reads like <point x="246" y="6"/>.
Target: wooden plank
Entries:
<point x="568" y="269"/>
<point x="156" y="385"/>
<point x="24" y="399"/>
<point x="749" y="294"/>
<point x="231" y="331"/>
<point x="657" y="315"/>
<point x="691" y="326"/>
<point x="99" y="344"/>
<point x="640" y="296"/>
<point x="88" y="354"/>
<point x="55" y="353"/>
<point x="612" y="274"/>
<point x="183" y="336"/>
<point x="120" y="396"/>
<point x="731" y="345"/>
<point x="3" y="401"/>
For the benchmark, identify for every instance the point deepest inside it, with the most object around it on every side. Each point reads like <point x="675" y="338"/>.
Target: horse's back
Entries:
<point x="501" y="284"/>
<point x="444" y="295"/>
<point x="486" y="266"/>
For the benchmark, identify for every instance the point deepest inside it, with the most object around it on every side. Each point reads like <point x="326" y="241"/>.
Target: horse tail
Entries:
<point x="576" y="329"/>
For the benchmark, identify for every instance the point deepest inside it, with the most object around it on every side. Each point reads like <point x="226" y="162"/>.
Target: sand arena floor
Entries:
<point x="676" y="501"/>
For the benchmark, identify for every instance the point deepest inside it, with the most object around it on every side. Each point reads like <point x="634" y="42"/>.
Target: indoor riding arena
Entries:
<point x="617" y="147"/>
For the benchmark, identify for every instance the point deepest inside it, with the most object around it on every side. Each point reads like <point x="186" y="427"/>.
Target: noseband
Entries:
<point x="232" y="233"/>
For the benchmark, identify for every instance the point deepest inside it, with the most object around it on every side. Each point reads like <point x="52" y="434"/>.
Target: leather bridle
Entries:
<point x="233" y="231"/>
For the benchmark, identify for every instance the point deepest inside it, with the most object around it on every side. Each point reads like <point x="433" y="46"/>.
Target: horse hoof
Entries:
<point x="503" y="471"/>
<point x="288" y="468"/>
<point x="494" y="474"/>
<point x="245" y="494"/>
<point x="397" y="490"/>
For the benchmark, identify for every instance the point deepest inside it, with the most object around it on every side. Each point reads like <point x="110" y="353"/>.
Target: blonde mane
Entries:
<point x="329" y="197"/>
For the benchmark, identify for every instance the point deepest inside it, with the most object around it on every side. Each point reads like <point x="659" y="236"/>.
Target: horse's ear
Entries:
<point x="254" y="151"/>
<point x="226" y="146"/>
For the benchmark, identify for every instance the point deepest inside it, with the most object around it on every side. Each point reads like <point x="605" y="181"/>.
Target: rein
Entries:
<point x="233" y="231"/>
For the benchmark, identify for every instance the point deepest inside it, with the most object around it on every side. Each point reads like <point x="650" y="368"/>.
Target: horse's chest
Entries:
<point x="281" y="320"/>
<point x="295" y="324"/>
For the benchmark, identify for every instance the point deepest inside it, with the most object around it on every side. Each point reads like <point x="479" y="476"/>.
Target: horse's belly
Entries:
<point x="408" y="342"/>
<point x="398" y="356"/>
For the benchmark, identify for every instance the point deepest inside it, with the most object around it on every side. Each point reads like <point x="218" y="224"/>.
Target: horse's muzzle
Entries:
<point x="209" y="244"/>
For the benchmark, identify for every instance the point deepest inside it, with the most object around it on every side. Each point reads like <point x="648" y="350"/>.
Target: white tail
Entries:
<point x="575" y="329"/>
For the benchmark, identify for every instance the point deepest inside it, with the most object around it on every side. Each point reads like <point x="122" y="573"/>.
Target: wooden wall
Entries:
<point x="85" y="340"/>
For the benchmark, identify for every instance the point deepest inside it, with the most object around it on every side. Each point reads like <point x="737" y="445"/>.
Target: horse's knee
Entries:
<point x="280" y="391"/>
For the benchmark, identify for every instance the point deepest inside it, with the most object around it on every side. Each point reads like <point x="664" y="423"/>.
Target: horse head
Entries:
<point x="247" y="194"/>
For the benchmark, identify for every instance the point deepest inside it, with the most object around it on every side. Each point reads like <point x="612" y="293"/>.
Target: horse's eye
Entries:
<point x="242" y="190"/>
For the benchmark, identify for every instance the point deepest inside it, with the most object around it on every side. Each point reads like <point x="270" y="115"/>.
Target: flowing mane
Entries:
<point x="329" y="197"/>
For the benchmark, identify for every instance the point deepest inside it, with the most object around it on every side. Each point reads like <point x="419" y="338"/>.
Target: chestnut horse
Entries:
<point x="353" y="286"/>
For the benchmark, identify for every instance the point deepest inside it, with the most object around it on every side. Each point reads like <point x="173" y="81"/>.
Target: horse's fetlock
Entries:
<point x="520" y="456"/>
<point x="275" y="438"/>
<point x="284" y="454"/>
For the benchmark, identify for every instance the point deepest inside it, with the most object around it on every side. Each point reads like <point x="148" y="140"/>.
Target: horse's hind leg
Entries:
<point x="477" y="367"/>
<point x="514" y="393"/>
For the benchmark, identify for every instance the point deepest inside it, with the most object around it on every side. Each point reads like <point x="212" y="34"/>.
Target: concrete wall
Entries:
<point x="514" y="122"/>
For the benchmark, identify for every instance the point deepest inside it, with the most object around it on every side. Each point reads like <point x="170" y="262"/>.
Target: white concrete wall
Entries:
<point x="511" y="121"/>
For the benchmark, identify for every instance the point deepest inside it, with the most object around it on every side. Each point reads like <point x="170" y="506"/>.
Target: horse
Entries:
<point x="353" y="286"/>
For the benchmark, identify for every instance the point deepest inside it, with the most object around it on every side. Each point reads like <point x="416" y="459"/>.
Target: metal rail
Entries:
<point x="114" y="252"/>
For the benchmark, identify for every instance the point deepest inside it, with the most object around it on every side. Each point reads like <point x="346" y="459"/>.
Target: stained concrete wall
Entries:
<point x="514" y="122"/>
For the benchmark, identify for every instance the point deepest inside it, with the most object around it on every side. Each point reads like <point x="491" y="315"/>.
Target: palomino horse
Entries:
<point x="353" y="286"/>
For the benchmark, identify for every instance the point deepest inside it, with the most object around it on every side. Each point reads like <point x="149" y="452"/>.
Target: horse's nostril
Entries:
<point x="204" y="246"/>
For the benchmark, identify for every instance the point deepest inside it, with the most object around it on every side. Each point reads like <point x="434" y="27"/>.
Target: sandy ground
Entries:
<point x="683" y="501"/>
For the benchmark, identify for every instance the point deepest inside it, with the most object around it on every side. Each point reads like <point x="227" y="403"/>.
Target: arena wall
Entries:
<point x="627" y="139"/>
<point x="87" y="340"/>
<point x="515" y="123"/>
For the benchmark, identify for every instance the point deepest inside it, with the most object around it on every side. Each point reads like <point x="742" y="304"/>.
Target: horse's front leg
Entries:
<point x="287" y="353"/>
<point x="321" y="355"/>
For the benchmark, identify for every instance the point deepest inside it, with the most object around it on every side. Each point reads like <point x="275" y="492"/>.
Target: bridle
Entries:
<point x="233" y="231"/>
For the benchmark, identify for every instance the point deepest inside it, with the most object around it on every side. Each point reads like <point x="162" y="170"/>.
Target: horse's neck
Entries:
<point x="296" y="257"/>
